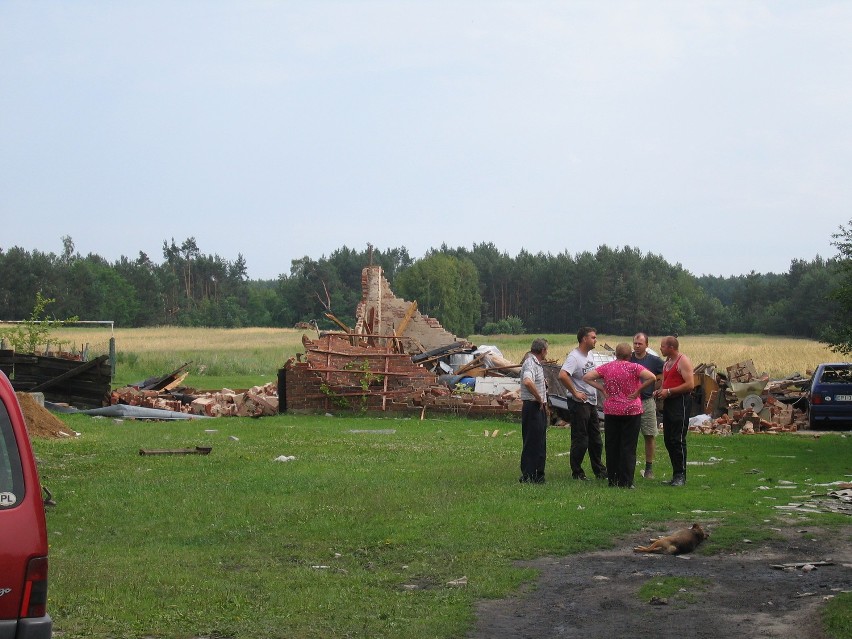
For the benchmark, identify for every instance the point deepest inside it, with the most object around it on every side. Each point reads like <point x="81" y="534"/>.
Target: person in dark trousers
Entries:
<point x="534" y="414"/>
<point x="676" y="393"/>
<point x="585" y="425"/>
<point x="623" y="383"/>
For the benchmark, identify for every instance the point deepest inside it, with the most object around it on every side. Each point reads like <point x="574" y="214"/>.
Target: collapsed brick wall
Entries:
<point x="340" y="376"/>
<point x="386" y="312"/>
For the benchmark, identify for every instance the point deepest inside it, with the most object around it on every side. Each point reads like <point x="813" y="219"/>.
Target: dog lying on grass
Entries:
<point x="679" y="542"/>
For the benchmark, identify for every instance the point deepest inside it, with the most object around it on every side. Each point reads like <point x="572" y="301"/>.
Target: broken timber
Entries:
<point x="198" y="450"/>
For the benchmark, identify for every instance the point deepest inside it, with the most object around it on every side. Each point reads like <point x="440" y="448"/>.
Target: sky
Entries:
<point x="715" y="134"/>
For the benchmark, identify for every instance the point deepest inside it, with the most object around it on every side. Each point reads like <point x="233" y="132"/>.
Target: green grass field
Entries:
<point x="361" y="533"/>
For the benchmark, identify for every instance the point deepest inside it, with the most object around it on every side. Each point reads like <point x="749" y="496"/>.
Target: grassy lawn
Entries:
<point x="361" y="533"/>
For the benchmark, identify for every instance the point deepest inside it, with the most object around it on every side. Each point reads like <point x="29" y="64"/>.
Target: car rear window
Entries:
<point x="11" y="471"/>
<point x="836" y="375"/>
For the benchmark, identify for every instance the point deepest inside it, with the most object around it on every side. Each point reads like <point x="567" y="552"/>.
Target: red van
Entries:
<point x="23" y="531"/>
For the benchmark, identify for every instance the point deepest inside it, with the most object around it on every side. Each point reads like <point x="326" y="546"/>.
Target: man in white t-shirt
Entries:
<point x="585" y="426"/>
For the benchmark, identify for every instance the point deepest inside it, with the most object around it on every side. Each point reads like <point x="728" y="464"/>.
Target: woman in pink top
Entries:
<point x="623" y="382"/>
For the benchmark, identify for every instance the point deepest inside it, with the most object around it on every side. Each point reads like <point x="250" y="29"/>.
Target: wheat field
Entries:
<point x="779" y="357"/>
<point x="251" y="351"/>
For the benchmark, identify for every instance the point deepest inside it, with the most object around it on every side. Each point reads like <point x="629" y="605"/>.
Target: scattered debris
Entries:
<point x="285" y="458"/>
<point x="458" y="583"/>
<point x="257" y="401"/>
<point x="742" y="401"/>
<point x="835" y="501"/>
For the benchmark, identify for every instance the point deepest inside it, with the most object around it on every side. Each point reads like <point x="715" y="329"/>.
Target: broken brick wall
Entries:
<point x="384" y="312"/>
<point x="338" y="375"/>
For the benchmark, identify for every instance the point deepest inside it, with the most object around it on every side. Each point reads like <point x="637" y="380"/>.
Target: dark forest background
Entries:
<point x="470" y="290"/>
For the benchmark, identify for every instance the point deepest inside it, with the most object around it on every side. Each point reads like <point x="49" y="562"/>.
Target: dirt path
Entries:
<point x="594" y="595"/>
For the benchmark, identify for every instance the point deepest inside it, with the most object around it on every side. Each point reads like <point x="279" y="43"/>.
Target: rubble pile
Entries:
<point x="747" y="403"/>
<point x="257" y="401"/>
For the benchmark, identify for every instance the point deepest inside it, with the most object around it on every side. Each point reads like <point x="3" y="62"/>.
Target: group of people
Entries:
<point x="631" y="385"/>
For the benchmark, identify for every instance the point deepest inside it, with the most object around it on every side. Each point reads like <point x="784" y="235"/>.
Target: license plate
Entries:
<point x="843" y="398"/>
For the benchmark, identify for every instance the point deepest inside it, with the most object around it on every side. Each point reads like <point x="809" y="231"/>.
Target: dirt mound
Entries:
<point x="40" y="421"/>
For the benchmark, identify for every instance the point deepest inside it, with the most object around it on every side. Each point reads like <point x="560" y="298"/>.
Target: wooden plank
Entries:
<point x="338" y="322"/>
<point x="159" y="383"/>
<point x="406" y="319"/>
<point x="198" y="450"/>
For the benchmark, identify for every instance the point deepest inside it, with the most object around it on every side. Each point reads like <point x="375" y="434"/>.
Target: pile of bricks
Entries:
<point x="146" y="398"/>
<point x="783" y="419"/>
<point x="257" y="401"/>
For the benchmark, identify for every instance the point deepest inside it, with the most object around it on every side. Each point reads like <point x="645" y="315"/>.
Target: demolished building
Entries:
<point x="398" y="360"/>
<point x="391" y="361"/>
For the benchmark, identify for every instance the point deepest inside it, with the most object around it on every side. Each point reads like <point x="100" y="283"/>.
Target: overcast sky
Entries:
<point x="715" y="134"/>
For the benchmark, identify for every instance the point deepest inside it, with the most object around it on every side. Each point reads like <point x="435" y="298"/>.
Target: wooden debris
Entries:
<point x="198" y="450"/>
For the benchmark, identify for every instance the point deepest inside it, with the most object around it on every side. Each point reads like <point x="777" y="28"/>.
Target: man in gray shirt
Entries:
<point x="534" y="414"/>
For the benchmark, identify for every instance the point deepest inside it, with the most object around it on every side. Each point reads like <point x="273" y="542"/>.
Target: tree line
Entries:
<point x="616" y="290"/>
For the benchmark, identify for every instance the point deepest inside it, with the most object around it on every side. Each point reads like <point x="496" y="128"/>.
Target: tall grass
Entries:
<point x="254" y="355"/>
<point x="237" y="357"/>
<point x="780" y="357"/>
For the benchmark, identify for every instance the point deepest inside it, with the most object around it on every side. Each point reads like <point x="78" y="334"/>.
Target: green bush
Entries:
<point x="511" y="325"/>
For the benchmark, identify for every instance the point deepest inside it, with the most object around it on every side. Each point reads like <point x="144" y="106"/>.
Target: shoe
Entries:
<point x="648" y="474"/>
<point x="678" y="480"/>
<point x="580" y="477"/>
<point x="601" y="476"/>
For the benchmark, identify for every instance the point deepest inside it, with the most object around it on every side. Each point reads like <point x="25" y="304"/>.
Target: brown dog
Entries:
<point x="678" y="543"/>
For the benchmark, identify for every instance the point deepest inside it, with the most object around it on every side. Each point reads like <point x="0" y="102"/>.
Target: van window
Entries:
<point x="11" y="471"/>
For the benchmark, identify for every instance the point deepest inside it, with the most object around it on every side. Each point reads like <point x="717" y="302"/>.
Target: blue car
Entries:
<point x="830" y="396"/>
